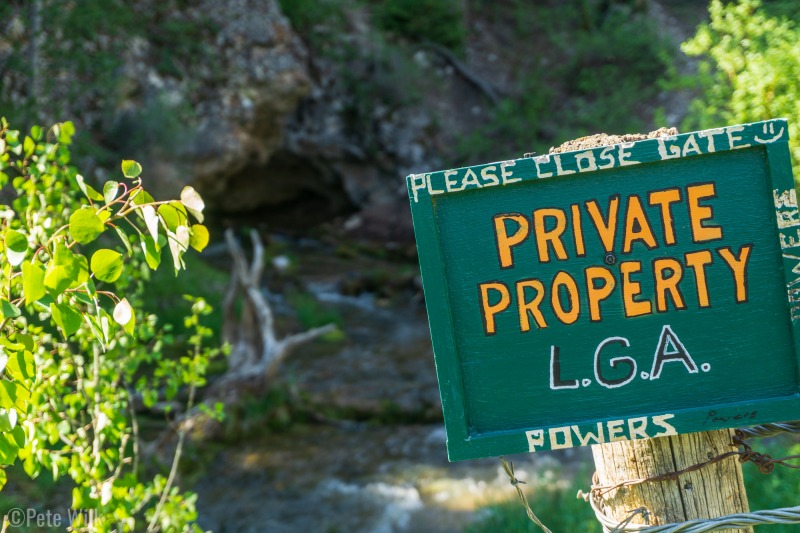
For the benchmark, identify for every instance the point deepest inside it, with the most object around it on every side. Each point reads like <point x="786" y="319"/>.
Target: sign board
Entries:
<point x="630" y="291"/>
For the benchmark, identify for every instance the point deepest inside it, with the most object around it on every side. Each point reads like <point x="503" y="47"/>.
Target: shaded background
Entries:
<point x="300" y="119"/>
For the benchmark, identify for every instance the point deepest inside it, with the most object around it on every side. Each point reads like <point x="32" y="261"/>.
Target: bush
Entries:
<point x="749" y="70"/>
<point x="437" y="21"/>
<point x="78" y="347"/>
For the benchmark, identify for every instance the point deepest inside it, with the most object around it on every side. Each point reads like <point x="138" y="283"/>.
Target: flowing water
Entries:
<point x="367" y="476"/>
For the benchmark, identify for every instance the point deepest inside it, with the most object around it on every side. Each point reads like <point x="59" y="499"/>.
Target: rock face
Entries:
<point x="226" y="96"/>
<point x="281" y="135"/>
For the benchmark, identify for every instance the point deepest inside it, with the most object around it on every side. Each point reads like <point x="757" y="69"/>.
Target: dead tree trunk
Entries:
<point x="256" y="351"/>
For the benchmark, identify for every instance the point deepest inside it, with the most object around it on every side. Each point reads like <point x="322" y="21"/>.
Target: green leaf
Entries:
<point x="131" y="169"/>
<point x="95" y="327"/>
<point x="21" y="365"/>
<point x="88" y="190"/>
<point x="106" y="265"/>
<point x="26" y="341"/>
<point x="8" y="451"/>
<point x="65" y="133"/>
<point x="32" y="281"/>
<point x="85" y="226"/>
<point x="141" y="197"/>
<point x="13" y="394"/>
<point x="66" y="318"/>
<point x="193" y="202"/>
<point x="152" y="252"/>
<point x="199" y="238"/>
<point x="28" y="146"/>
<point x="110" y="191"/>
<point x="8" y="419"/>
<point x="36" y="132"/>
<point x="9" y="310"/>
<point x="81" y="270"/>
<point x="125" y="240"/>
<point x="171" y="217"/>
<point x="65" y="270"/>
<point x="178" y="243"/>
<point x="16" y="246"/>
<point x="57" y="278"/>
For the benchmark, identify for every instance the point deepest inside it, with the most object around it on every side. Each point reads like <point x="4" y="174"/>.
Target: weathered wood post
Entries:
<point x="714" y="490"/>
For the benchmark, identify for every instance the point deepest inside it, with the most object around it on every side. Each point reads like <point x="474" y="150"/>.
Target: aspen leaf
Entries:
<point x="20" y="364"/>
<point x="32" y="281"/>
<point x="151" y="220"/>
<point x="131" y="169"/>
<point x="193" y="202"/>
<point x="106" y="265"/>
<point x="16" y="245"/>
<point x="123" y="312"/>
<point x="88" y="190"/>
<point x="199" y="238"/>
<point x="152" y="252"/>
<point x="170" y="216"/>
<point x="85" y="226"/>
<point x="110" y="191"/>
<point x="13" y="394"/>
<point x="66" y="318"/>
<point x="140" y="197"/>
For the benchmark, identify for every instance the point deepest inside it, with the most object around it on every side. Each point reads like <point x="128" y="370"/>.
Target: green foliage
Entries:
<point x="600" y="74"/>
<point x="750" y="68"/>
<point x="306" y="16"/>
<point x="437" y="21"/>
<point x="556" y="506"/>
<point x="311" y="313"/>
<point x="560" y="511"/>
<point x="775" y="490"/>
<point x="77" y="344"/>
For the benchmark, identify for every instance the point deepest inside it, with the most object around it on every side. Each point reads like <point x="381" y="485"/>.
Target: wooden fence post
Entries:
<point x="712" y="491"/>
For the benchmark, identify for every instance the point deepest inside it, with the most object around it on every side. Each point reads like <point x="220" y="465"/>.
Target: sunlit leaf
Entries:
<point x="16" y="245"/>
<point x="125" y="240"/>
<point x="85" y="226"/>
<point x="88" y="190"/>
<point x="66" y="317"/>
<point x="170" y="216"/>
<point x="199" y="238"/>
<point x="110" y="191"/>
<point x="32" y="281"/>
<point x="9" y="310"/>
<point x="13" y="394"/>
<point x="152" y="252"/>
<point x="21" y="365"/>
<point x="151" y="220"/>
<point x="123" y="312"/>
<point x="193" y="202"/>
<point x="131" y="169"/>
<point x="106" y="265"/>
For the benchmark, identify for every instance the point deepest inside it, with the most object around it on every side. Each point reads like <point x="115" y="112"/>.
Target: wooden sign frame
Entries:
<point x="473" y="433"/>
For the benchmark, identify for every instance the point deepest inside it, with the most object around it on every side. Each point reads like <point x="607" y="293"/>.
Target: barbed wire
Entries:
<point x="765" y="463"/>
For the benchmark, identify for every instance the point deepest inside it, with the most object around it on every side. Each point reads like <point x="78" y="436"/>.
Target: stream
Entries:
<point x="364" y="474"/>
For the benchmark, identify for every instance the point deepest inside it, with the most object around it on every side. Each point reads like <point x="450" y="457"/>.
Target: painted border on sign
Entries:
<point x="425" y="188"/>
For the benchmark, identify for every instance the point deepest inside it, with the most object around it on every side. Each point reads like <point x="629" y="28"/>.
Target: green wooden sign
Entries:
<point x="630" y="291"/>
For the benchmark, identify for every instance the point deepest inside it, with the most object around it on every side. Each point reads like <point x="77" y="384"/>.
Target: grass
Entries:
<point x="557" y="507"/>
<point x="164" y="296"/>
<point x="562" y="512"/>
